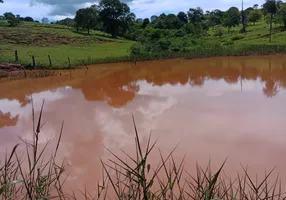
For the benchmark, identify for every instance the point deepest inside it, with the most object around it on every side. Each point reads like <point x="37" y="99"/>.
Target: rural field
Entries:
<point x="62" y="43"/>
<point x="188" y="105"/>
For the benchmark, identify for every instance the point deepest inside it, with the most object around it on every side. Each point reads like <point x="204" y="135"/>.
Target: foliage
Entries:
<point x="231" y="18"/>
<point x="14" y="22"/>
<point x="237" y="37"/>
<point x="271" y="7"/>
<point x="65" y="22"/>
<point x="195" y="15"/>
<point x="215" y="17"/>
<point x="146" y="21"/>
<point x="28" y="19"/>
<point x="114" y="15"/>
<point x="254" y="16"/>
<point x="154" y="18"/>
<point x="219" y="32"/>
<point x="183" y="17"/>
<point x="282" y="13"/>
<point x="86" y="18"/>
<point x="9" y="15"/>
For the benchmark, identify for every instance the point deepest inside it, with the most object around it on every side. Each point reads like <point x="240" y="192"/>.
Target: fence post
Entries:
<point x="33" y="61"/>
<point x="84" y="64"/>
<point x="50" y="60"/>
<point x="69" y="62"/>
<point x="16" y="56"/>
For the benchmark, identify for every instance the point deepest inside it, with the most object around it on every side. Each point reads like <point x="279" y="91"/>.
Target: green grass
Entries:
<point x="60" y="42"/>
<point x="257" y="34"/>
<point x="59" y="54"/>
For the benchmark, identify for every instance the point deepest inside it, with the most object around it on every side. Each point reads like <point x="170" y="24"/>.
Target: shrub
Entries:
<point x="228" y="43"/>
<point x="237" y="37"/>
<point x="14" y="22"/>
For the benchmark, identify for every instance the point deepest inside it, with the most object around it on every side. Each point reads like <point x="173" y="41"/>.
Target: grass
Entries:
<point x="129" y="178"/>
<point x="59" y="42"/>
<point x="62" y="43"/>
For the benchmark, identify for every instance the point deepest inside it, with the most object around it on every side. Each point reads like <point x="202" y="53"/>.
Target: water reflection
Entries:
<point x="219" y="102"/>
<point x="7" y="120"/>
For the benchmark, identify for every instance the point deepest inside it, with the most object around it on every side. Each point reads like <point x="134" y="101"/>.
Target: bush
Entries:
<point x="14" y="22"/>
<point x="228" y="43"/>
<point x="237" y="37"/>
<point x="164" y="44"/>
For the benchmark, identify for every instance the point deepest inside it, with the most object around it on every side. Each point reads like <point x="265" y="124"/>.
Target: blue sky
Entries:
<point x="58" y="9"/>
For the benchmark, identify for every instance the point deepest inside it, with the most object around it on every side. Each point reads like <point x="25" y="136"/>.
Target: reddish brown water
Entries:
<point x="214" y="108"/>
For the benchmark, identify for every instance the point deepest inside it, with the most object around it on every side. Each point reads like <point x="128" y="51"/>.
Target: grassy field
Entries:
<point x="61" y="42"/>
<point x="257" y="34"/>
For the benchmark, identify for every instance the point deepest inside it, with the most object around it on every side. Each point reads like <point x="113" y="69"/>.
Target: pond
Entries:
<point x="213" y="108"/>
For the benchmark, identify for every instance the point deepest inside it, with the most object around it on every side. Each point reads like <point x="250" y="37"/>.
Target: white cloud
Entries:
<point x="142" y="8"/>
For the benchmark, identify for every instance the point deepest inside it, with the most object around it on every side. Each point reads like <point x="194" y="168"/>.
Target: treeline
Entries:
<point x="114" y="17"/>
<point x="14" y="20"/>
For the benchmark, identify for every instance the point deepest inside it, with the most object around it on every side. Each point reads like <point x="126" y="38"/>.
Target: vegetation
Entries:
<point x="133" y="178"/>
<point x="109" y="32"/>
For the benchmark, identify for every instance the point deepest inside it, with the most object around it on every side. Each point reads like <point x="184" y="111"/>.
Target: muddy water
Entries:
<point x="213" y="108"/>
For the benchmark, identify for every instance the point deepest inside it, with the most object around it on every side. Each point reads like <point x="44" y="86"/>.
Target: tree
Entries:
<point x="66" y="22"/>
<point x="282" y="13"/>
<point x="172" y="22"/>
<point x="183" y="17"/>
<point x="196" y="15"/>
<point x="86" y="18"/>
<point x="219" y="32"/>
<point x="1" y="1"/>
<point x="9" y="15"/>
<point x="255" y="6"/>
<point x="45" y="20"/>
<point x="270" y="7"/>
<point x="114" y="15"/>
<point x="154" y="18"/>
<point x="215" y="17"/>
<point x="146" y="21"/>
<point x="28" y="19"/>
<point x="254" y="16"/>
<point x="231" y="18"/>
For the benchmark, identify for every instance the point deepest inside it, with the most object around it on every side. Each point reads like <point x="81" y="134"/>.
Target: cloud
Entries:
<point x="65" y="7"/>
<point x="58" y="9"/>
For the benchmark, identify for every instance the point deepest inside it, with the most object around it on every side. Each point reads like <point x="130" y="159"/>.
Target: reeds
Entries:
<point x="128" y="178"/>
<point x="40" y="178"/>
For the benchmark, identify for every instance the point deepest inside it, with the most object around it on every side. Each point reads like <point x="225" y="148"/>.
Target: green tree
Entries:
<point x="1" y="1"/>
<point x="196" y="15"/>
<point x="146" y="21"/>
<point x="219" y="32"/>
<point x="183" y="17"/>
<point x="255" y="6"/>
<point x="13" y="21"/>
<point x="270" y="7"/>
<point x="172" y="22"/>
<point x="254" y="16"/>
<point x="28" y="19"/>
<point x="154" y="18"/>
<point x="231" y="18"/>
<point x="86" y="18"/>
<point x="9" y="15"/>
<point x="114" y="15"/>
<point x="215" y="17"/>
<point x="282" y="13"/>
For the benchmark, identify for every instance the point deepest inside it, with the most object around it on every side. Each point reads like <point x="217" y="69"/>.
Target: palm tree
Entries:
<point x="271" y="7"/>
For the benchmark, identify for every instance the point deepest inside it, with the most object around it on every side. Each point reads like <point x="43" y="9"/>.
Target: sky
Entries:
<point x="59" y="9"/>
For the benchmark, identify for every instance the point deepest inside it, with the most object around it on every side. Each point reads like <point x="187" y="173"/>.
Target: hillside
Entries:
<point x="60" y="42"/>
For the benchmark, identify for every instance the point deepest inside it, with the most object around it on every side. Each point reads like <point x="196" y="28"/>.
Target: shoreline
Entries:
<point x="11" y="68"/>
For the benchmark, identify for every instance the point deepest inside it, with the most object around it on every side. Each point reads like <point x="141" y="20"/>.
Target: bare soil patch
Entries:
<point x="43" y="39"/>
